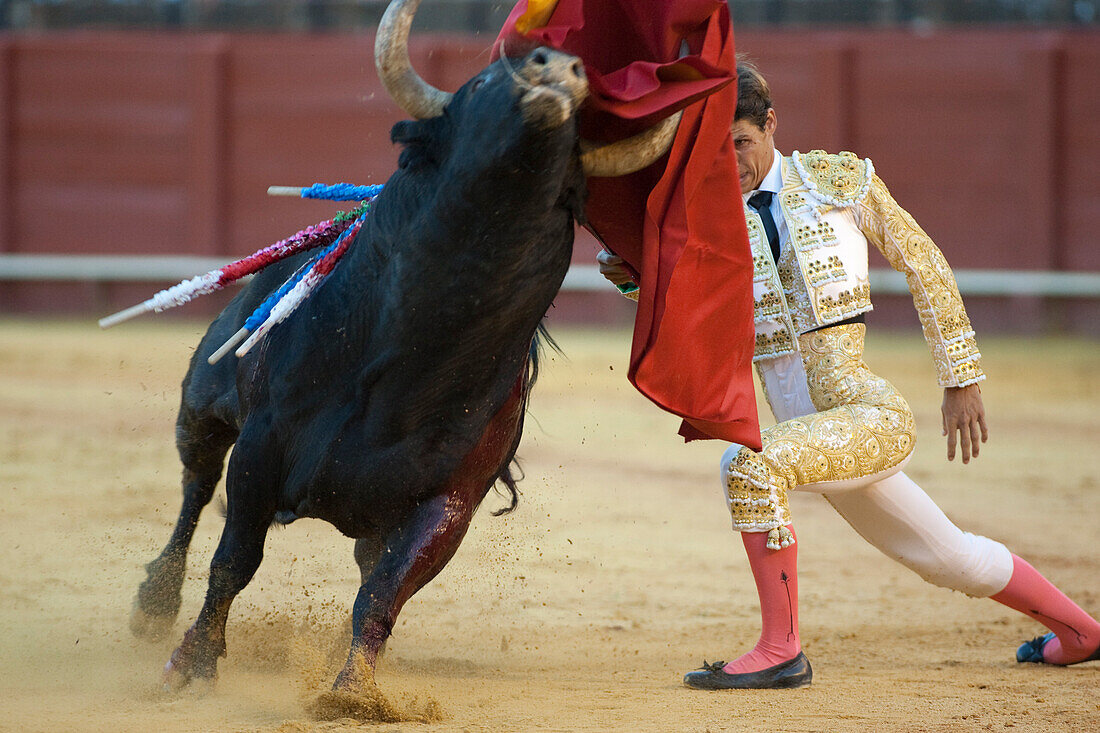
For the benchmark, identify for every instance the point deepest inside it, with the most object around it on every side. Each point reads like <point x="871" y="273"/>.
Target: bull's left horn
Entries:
<point x="391" y="57"/>
<point x="632" y="154"/>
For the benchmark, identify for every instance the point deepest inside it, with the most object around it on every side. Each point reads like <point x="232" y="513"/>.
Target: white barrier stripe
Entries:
<point x="580" y="278"/>
<point x="110" y="268"/>
<point x="587" y="278"/>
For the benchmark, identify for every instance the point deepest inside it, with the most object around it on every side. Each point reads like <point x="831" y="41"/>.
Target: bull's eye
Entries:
<point x="476" y="85"/>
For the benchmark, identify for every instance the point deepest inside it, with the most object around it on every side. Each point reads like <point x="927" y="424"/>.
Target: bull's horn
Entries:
<point x="629" y="155"/>
<point x="391" y="57"/>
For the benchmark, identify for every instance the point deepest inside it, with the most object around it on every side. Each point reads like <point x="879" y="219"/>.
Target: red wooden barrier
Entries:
<point x="165" y="143"/>
<point x="7" y="113"/>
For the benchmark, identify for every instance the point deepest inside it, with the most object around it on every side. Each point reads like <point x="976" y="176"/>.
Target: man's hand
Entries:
<point x="611" y="267"/>
<point x="964" y="412"/>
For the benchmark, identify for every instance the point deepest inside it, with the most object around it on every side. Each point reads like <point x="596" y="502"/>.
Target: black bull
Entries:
<point x="393" y="399"/>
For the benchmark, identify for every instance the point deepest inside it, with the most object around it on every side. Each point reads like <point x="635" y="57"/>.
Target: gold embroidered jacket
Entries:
<point x="833" y="205"/>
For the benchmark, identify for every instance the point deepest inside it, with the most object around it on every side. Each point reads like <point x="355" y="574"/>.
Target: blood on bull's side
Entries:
<point x="392" y="399"/>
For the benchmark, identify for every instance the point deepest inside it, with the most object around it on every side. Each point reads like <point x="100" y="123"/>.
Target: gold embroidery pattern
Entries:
<point x="776" y="343"/>
<point x="819" y="272"/>
<point x="774" y="329"/>
<point x="760" y="259"/>
<point x="864" y="427"/>
<point x="839" y="179"/>
<point x="808" y="237"/>
<point x="794" y="205"/>
<point x="760" y="267"/>
<point x="846" y="303"/>
<point x="769" y="306"/>
<point x="936" y="296"/>
<point x="798" y="301"/>
<point x="758" y="502"/>
<point x="805" y="269"/>
<point x="794" y="201"/>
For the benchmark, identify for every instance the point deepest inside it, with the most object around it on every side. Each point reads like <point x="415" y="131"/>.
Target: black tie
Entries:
<point x="762" y="202"/>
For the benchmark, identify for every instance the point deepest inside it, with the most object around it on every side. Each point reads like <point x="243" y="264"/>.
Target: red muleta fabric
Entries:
<point x="679" y="223"/>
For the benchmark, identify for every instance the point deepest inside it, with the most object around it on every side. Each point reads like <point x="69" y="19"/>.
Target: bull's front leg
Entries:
<point x="413" y="555"/>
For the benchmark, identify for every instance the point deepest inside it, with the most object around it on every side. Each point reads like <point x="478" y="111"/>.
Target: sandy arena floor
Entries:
<point x="580" y="611"/>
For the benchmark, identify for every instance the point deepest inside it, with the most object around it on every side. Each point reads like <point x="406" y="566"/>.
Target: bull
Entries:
<point x="392" y="400"/>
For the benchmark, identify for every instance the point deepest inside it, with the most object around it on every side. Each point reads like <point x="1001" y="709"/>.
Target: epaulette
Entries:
<point x="840" y="179"/>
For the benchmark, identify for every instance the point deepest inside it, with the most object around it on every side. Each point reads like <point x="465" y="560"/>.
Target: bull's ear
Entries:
<point x="406" y="132"/>
<point x="418" y="132"/>
<point x="418" y="138"/>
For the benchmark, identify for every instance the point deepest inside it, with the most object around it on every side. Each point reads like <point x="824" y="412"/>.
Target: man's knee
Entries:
<point x="971" y="564"/>
<point x="757" y="500"/>
<point x="898" y="518"/>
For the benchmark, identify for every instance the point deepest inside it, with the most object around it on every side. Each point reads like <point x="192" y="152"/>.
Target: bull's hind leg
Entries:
<point x="202" y="448"/>
<point x="413" y="555"/>
<point x="250" y="513"/>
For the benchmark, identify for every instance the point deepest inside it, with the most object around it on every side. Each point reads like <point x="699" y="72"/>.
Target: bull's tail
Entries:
<point x="512" y="473"/>
<point x="541" y="340"/>
<point x="510" y="482"/>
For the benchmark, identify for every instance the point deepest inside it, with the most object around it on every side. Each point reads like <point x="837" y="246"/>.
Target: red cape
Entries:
<point x="679" y="223"/>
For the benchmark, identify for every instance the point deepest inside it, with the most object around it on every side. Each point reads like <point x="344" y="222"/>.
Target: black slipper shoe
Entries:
<point x="786" y="675"/>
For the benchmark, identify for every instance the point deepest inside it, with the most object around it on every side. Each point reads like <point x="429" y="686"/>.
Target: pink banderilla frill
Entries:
<point x="318" y="235"/>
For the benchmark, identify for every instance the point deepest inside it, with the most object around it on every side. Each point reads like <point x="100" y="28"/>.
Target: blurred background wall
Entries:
<point x="154" y="128"/>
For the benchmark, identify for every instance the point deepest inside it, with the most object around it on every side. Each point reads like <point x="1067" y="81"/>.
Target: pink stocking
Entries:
<point x="1077" y="634"/>
<point x="776" y="574"/>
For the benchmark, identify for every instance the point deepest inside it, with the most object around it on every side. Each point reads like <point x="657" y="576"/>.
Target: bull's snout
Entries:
<point x="556" y="67"/>
<point x="558" y="86"/>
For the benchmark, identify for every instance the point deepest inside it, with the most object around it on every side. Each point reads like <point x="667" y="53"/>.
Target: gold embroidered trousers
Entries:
<point x="861" y="433"/>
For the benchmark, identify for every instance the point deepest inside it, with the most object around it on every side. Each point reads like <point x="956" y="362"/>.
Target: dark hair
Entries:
<point x="754" y="97"/>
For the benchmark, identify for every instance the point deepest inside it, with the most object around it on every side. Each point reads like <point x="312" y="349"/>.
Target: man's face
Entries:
<point x="754" y="150"/>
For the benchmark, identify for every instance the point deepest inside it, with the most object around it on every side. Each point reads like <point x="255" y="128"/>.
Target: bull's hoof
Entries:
<point x="194" y="660"/>
<point x="175" y="682"/>
<point x="149" y="626"/>
<point x="356" y="676"/>
<point x="159" y="594"/>
<point x="174" y="679"/>
<point x="177" y="677"/>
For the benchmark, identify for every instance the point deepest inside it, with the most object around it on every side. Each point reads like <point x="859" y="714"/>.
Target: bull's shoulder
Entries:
<point x="834" y="179"/>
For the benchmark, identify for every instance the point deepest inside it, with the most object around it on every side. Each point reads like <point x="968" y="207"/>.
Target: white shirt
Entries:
<point x="773" y="182"/>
